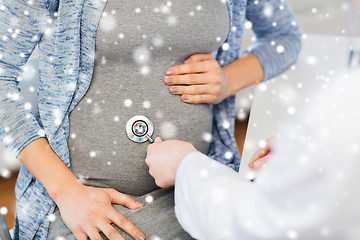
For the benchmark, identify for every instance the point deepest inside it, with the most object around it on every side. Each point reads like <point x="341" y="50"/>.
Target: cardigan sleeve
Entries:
<point x="22" y="24"/>
<point x="278" y="35"/>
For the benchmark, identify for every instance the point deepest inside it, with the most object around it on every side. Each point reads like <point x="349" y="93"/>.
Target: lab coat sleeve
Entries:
<point x="22" y="24"/>
<point x="206" y="193"/>
<point x="278" y="35"/>
<point x="214" y="202"/>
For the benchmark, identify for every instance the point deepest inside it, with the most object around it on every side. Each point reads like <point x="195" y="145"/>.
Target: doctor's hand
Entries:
<point x="163" y="159"/>
<point x="88" y="210"/>
<point x="204" y="79"/>
<point x="262" y="155"/>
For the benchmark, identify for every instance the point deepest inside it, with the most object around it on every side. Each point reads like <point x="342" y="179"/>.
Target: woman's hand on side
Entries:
<point x="88" y="210"/>
<point x="261" y="155"/>
<point x="204" y="79"/>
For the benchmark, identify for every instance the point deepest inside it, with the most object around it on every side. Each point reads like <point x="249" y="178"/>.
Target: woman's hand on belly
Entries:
<point x="205" y="80"/>
<point x="86" y="211"/>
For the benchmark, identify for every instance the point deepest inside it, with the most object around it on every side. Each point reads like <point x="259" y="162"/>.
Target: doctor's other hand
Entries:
<point x="163" y="159"/>
<point x="199" y="80"/>
<point x="262" y="155"/>
<point x="86" y="211"/>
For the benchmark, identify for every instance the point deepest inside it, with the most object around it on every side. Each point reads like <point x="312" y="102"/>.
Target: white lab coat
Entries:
<point x="309" y="189"/>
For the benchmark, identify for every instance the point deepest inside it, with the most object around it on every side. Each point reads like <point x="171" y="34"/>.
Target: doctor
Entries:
<point x="308" y="188"/>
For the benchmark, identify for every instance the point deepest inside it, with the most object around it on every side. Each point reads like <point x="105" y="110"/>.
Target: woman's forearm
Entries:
<point x="243" y="72"/>
<point x="46" y="166"/>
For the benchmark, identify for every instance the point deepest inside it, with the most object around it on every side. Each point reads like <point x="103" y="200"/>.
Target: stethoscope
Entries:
<point x="353" y="30"/>
<point x="140" y="129"/>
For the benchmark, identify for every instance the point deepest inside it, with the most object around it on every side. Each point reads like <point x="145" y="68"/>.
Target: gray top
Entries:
<point x="136" y="42"/>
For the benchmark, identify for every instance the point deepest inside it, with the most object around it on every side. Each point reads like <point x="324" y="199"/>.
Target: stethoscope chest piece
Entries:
<point x="139" y="129"/>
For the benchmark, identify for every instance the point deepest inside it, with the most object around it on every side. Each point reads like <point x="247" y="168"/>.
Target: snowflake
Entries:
<point x="165" y="9"/>
<point x="250" y="175"/>
<point x="3" y="210"/>
<point x="7" y="140"/>
<point x="159" y="114"/>
<point x="204" y="173"/>
<point x="149" y="199"/>
<point x="96" y="110"/>
<point x="292" y="234"/>
<point x="128" y="103"/>
<point x="262" y="143"/>
<point x="141" y="55"/>
<point x="226" y="124"/>
<point x="291" y="110"/>
<point x="268" y="10"/>
<point x="311" y="60"/>
<point x="262" y="87"/>
<point x="280" y="48"/>
<point x="225" y="46"/>
<point x="155" y="237"/>
<point x="107" y="23"/>
<point x="228" y="155"/>
<point x="103" y="60"/>
<point x="172" y="20"/>
<point x="57" y="121"/>
<point x="168" y="130"/>
<point x="92" y="154"/>
<point x="144" y="70"/>
<point x="51" y="217"/>
<point x="41" y="132"/>
<point x="5" y="173"/>
<point x="248" y="25"/>
<point x="147" y="104"/>
<point x="207" y="137"/>
<point x="158" y="41"/>
<point x="241" y="115"/>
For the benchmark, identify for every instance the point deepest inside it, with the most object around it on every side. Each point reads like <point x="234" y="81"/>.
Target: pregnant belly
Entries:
<point x="100" y="151"/>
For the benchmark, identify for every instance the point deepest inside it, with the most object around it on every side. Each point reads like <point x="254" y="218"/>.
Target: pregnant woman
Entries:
<point x="127" y="82"/>
<point x="105" y="62"/>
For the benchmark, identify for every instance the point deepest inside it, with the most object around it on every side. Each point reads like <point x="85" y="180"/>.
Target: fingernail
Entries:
<point x="187" y="61"/>
<point x="184" y="97"/>
<point x="168" y="80"/>
<point x="174" y="89"/>
<point x="140" y="204"/>
<point x="169" y="72"/>
<point x="140" y="237"/>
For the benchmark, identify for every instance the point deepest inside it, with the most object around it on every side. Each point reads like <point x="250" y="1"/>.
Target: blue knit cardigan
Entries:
<point x="66" y="39"/>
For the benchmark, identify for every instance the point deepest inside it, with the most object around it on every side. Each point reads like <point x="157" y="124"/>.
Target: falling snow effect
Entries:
<point x="128" y="103"/>
<point x="107" y="23"/>
<point x="3" y="210"/>
<point x="168" y="130"/>
<point x="207" y="137"/>
<point x="149" y="199"/>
